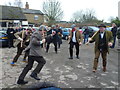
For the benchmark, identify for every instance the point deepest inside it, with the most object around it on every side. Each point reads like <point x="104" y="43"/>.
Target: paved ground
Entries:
<point x="61" y="71"/>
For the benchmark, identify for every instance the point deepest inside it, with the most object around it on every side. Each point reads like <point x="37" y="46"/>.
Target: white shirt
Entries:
<point x="74" y="37"/>
<point x="102" y="34"/>
<point x="53" y="32"/>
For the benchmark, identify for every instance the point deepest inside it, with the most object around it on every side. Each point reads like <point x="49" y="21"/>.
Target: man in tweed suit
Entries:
<point x="103" y="40"/>
<point x="35" y="54"/>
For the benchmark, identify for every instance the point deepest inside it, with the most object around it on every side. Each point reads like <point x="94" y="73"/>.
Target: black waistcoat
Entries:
<point x="102" y="43"/>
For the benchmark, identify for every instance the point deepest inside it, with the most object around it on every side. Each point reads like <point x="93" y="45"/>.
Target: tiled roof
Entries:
<point x="11" y="13"/>
<point x="31" y="11"/>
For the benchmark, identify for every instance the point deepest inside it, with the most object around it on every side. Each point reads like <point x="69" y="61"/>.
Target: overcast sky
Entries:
<point x="104" y="9"/>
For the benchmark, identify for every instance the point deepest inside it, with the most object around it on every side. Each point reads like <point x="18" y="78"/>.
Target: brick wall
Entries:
<point x="69" y="24"/>
<point x="30" y="18"/>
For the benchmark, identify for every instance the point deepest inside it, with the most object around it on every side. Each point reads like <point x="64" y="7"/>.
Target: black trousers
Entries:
<point x="41" y="61"/>
<point x="59" y="41"/>
<point x="19" y="52"/>
<point x="71" y="48"/>
<point x="10" y="42"/>
<point x="48" y="45"/>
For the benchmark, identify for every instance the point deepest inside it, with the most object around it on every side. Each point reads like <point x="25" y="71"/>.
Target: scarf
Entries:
<point x="73" y="29"/>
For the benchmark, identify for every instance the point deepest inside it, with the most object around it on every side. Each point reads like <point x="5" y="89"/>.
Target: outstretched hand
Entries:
<point x="43" y="41"/>
<point x="90" y="39"/>
<point x="80" y="43"/>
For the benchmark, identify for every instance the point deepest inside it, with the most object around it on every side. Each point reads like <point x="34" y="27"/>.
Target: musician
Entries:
<point x="23" y="38"/>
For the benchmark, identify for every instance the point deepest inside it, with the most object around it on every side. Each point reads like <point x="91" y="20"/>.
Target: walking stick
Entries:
<point x="92" y="37"/>
<point x="22" y="37"/>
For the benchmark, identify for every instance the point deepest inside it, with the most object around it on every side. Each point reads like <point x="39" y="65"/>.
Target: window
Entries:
<point x="36" y="17"/>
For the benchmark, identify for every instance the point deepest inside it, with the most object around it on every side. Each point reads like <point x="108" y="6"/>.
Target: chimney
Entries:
<point x="26" y="5"/>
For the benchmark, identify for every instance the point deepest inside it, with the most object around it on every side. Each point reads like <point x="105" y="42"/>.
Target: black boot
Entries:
<point x="34" y="75"/>
<point x="77" y="56"/>
<point x="56" y="52"/>
<point x="70" y="58"/>
<point x="22" y="82"/>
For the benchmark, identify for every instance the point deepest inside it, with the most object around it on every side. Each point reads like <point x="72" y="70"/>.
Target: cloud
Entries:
<point x="103" y="8"/>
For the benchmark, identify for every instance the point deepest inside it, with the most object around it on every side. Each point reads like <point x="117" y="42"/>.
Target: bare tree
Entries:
<point x="78" y="16"/>
<point x="52" y="10"/>
<point x="16" y="3"/>
<point x="84" y="16"/>
<point x="111" y="18"/>
<point x="8" y="4"/>
<point x="89" y="15"/>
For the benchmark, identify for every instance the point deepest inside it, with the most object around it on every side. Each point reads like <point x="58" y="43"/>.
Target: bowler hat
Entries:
<point x="102" y="25"/>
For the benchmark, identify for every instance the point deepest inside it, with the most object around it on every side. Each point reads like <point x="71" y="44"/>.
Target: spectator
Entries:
<point x="114" y="31"/>
<point x="86" y="35"/>
<point x="118" y="36"/>
<point x="10" y="33"/>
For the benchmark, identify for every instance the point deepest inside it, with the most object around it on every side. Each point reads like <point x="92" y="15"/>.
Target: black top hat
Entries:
<point x="102" y="25"/>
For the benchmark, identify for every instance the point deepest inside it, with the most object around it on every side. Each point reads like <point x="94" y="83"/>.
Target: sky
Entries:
<point x="104" y="9"/>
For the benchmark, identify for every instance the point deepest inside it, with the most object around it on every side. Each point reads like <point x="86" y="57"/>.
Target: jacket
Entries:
<point x="79" y="37"/>
<point x="109" y="38"/>
<point x="22" y="35"/>
<point x="35" y="46"/>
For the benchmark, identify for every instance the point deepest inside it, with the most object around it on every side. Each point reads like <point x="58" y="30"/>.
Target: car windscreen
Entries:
<point x="94" y="28"/>
<point x="2" y="33"/>
<point x="66" y="30"/>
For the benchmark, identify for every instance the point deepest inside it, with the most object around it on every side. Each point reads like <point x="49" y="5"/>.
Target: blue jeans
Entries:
<point x="114" y="40"/>
<point x="85" y="38"/>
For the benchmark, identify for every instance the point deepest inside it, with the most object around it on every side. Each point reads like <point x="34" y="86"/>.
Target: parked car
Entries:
<point x="65" y="33"/>
<point x="3" y="38"/>
<point x="108" y="28"/>
<point x="92" y="30"/>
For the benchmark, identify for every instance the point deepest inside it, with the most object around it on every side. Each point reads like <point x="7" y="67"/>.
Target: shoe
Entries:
<point x="70" y="58"/>
<point x="94" y="70"/>
<point x="24" y="60"/>
<point x="13" y="64"/>
<point x="104" y="69"/>
<point x="22" y="82"/>
<point x="34" y="75"/>
<point x="77" y="57"/>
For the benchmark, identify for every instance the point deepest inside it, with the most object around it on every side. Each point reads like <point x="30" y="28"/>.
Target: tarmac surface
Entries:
<point x="61" y="71"/>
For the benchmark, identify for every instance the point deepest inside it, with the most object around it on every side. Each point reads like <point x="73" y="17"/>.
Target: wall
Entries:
<point x="30" y="18"/>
